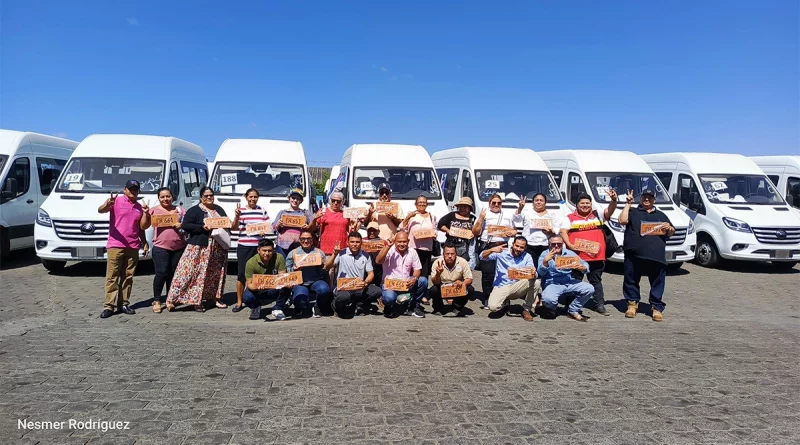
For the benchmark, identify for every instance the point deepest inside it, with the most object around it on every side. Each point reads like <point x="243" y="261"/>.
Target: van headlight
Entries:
<point x="691" y="227"/>
<point x="735" y="224"/>
<point x="615" y="225"/>
<point x="43" y="219"/>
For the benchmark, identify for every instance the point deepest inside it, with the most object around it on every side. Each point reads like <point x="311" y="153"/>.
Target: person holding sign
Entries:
<point x="462" y="218"/>
<point x="128" y="220"/>
<point x="288" y="222"/>
<point x="506" y="287"/>
<point x="266" y="262"/>
<point x="251" y="214"/>
<point x="646" y="232"/>
<point x="375" y="244"/>
<point x="401" y="263"/>
<point x="556" y="270"/>
<point x="451" y="279"/>
<point x="168" y="243"/>
<point x="538" y="226"/>
<point x="200" y="275"/>
<point x="309" y="260"/>
<point x="389" y="215"/>
<point x="586" y="224"/>
<point x="421" y="227"/>
<point x="356" y="266"/>
<point x="332" y="224"/>
<point x="495" y="217"/>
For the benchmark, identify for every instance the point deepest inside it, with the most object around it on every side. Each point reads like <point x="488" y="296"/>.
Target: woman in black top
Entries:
<point x="462" y="218"/>
<point x="200" y="276"/>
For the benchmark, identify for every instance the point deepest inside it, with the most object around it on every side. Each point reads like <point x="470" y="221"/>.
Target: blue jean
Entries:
<point x="253" y="299"/>
<point x="656" y="272"/>
<point x="418" y="291"/>
<point x="301" y="294"/>
<point x="559" y="293"/>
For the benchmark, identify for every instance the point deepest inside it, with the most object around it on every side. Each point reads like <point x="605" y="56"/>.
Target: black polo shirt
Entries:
<point x="650" y="247"/>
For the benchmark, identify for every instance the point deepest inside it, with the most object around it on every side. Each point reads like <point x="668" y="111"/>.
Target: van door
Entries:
<point x="194" y="176"/>
<point x="48" y="169"/>
<point x="575" y="186"/>
<point x="689" y="195"/>
<point x="175" y="184"/>
<point x="20" y="202"/>
<point x="448" y="177"/>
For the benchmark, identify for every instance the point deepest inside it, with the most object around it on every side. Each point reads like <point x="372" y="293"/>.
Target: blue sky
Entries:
<point x="634" y="75"/>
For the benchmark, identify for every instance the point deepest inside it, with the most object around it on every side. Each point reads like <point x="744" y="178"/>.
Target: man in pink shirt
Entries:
<point x="402" y="263"/>
<point x="127" y="221"/>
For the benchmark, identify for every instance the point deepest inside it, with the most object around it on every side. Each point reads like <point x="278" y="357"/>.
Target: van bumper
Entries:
<point x="745" y="247"/>
<point x="50" y="247"/>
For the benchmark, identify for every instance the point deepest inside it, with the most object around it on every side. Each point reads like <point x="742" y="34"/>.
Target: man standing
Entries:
<point x="351" y="262"/>
<point x="265" y="262"/>
<point x="645" y="252"/>
<point x="314" y="275"/>
<point x="127" y="222"/>
<point x="401" y="263"/>
<point x="559" y="283"/>
<point x="506" y="288"/>
<point x="451" y="269"/>
<point x="387" y="221"/>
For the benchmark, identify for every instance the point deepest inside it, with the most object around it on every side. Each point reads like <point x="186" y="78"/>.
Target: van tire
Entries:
<point x="707" y="253"/>
<point x="53" y="266"/>
<point x="5" y="243"/>
<point x="784" y="266"/>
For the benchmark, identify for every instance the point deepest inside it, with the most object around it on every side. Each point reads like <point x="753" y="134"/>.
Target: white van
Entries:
<point x="407" y="168"/>
<point x="510" y="172"/>
<point x="595" y="171"/>
<point x="68" y="226"/>
<point x="335" y="170"/>
<point x="272" y="167"/>
<point x="738" y="213"/>
<point x="784" y="172"/>
<point x="29" y="166"/>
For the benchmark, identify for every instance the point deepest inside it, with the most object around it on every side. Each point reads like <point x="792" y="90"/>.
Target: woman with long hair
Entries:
<point x="168" y="245"/>
<point x="247" y="245"/>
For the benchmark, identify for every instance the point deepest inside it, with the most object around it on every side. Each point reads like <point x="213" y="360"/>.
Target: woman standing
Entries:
<point x="200" y="276"/>
<point x="168" y="245"/>
<point x="534" y="226"/>
<point x="333" y="226"/>
<point x="421" y="219"/>
<point x="247" y="246"/>
<point x="462" y="218"/>
<point x="289" y="236"/>
<point x="495" y="217"/>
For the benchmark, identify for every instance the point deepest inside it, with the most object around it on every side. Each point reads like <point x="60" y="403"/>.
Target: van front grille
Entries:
<point x="81" y="230"/>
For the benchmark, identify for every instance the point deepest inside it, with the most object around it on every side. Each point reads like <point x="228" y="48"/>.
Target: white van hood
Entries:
<point x="82" y="206"/>
<point x="761" y="215"/>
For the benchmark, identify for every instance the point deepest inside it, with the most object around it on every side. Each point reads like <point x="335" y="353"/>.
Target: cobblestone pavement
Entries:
<point x="722" y="368"/>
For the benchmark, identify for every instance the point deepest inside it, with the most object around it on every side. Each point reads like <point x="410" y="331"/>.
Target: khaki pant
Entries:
<point x="527" y="289"/>
<point x="120" y="266"/>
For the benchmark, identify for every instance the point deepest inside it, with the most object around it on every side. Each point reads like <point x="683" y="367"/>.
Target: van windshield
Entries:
<point x="105" y="175"/>
<point x="739" y="189"/>
<point x="600" y="183"/>
<point x="511" y="185"/>
<point x="406" y="182"/>
<point x="235" y="178"/>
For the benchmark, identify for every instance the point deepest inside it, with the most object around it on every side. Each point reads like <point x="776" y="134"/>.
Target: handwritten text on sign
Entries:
<point x="307" y="260"/>
<point x="521" y="273"/>
<point x="501" y="231"/>
<point x="164" y="220"/>
<point x="355" y="213"/>
<point x="653" y="229"/>
<point x="453" y="290"/>
<point x="261" y="281"/>
<point x="371" y="246"/>
<point x="258" y="229"/>
<point x="395" y="284"/>
<point x="349" y="284"/>
<point x="293" y="220"/>
<point x="461" y="233"/>
<point x="387" y="207"/>
<point x="424" y="233"/>
<point x="587" y="246"/>
<point x="567" y="262"/>
<point x="218" y="222"/>
<point x="542" y="223"/>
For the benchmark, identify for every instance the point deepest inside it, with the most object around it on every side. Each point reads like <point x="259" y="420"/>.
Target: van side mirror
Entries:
<point x="676" y="198"/>
<point x="10" y="189"/>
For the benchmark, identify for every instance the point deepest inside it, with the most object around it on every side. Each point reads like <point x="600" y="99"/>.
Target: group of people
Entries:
<point x="330" y="271"/>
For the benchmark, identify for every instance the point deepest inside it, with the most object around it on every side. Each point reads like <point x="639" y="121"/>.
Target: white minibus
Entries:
<point x="784" y="172"/>
<point x="29" y="166"/>
<point x="737" y="211"/>
<point x="68" y="226"/>
<point x="596" y="171"/>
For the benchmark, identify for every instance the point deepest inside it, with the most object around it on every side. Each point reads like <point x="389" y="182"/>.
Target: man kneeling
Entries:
<point x="354" y="264"/>
<point x="452" y="270"/>
<point x="560" y="284"/>
<point x="506" y="285"/>
<point x="269" y="262"/>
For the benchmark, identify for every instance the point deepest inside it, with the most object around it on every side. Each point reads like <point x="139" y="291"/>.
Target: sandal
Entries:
<point x="578" y="317"/>
<point x="170" y="307"/>
<point x="199" y="308"/>
<point x="221" y="305"/>
<point x="157" y="307"/>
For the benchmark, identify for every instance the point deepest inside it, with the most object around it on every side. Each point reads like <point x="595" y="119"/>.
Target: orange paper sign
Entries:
<point x="424" y="233"/>
<point x="261" y="281"/>
<point x="349" y="284"/>
<point x="461" y="233"/>
<point x="521" y="273"/>
<point x="653" y="229"/>
<point x="307" y="260"/>
<point x="395" y="284"/>
<point x="542" y="223"/>
<point x="372" y="245"/>
<point x="387" y="207"/>
<point x="293" y="220"/>
<point x="587" y="246"/>
<point x="218" y="223"/>
<point x="355" y="213"/>
<point x="501" y="231"/>
<point x="164" y="220"/>
<point x="567" y="262"/>
<point x="454" y="290"/>
<point x="258" y="229"/>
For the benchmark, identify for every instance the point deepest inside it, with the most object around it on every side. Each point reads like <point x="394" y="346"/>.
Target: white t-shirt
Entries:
<point x="535" y="236"/>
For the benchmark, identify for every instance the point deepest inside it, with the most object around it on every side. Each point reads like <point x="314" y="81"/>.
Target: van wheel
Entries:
<point x="784" y="265"/>
<point x="5" y="244"/>
<point x="53" y="265"/>
<point x="707" y="254"/>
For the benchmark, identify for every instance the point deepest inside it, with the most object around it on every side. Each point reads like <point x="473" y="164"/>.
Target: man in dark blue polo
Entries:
<point x="646" y="233"/>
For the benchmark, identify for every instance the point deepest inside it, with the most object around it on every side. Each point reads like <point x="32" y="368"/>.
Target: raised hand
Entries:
<point x="612" y="194"/>
<point x="318" y="215"/>
<point x="113" y="197"/>
<point x="629" y="197"/>
<point x="238" y="211"/>
<point x="337" y="246"/>
<point x="522" y="202"/>
<point x="483" y="214"/>
<point x="440" y="268"/>
<point x="145" y="205"/>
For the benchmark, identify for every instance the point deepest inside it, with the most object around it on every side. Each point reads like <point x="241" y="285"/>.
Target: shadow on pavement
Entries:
<point x="20" y="258"/>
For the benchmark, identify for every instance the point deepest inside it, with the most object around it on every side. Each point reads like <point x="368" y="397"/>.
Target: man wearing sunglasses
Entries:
<point x="559" y="284"/>
<point x="314" y="277"/>
<point x="645" y="252"/>
<point x="387" y="221"/>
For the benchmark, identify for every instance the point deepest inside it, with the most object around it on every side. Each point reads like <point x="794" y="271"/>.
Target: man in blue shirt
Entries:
<point x="558" y="283"/>
<point x="314" y="277"/>
<point x="505" y="288"/>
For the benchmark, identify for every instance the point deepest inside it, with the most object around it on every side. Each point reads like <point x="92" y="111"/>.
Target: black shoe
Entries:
<point x="127" y="309"/>
<point x="106" y="313"/>
<point x="418" y="313"/>
<point x="237" y="307"/>
<point x="461" y="313"/>
<point x="601" y="309"/>
<point x="360" y="310"/>
<point x="499" y="314"/>
<point x="255" y="313"/>
<point x="546" y="313"/>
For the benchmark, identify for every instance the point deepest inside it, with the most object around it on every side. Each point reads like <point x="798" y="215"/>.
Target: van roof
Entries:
<point x="261" y="150"/>
<point x="703" y="163"/>
<point x="495" y="158"/>
<point x="601" y="160"/>
<point x="10" y="140"/>
<point x="777" y="160"/>
<point x="133" y="145"/>
<point x="378" y="155"/>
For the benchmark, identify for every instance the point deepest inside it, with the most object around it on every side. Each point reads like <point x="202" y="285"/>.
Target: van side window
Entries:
<point x="665" y="178"/>
<point x="793" y="191"/>
<point x="775" y="179"/>
<point x="687" y="190"/>
<point x="48" y="170"/>
<point x="466" y="185"/>
<point x="194" y="176"/>
<point x="174" y="180"/>
<point x="557" y="174"/>
<point x="575" y="187"/>
<point x="21" y="171"/>
<point x="449" y="179"/>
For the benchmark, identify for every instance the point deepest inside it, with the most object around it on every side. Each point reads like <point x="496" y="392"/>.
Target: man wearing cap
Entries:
<point x="387" y="222"/>
<point x="128" y="220"/>
<point x="288" y="236"/>
<point x="645" y="252"/>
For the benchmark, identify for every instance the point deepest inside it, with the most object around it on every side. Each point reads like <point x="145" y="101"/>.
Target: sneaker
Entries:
<point x="128" y="310"/>
<point x="632" y="308"/>
<point x="279" y="315"/>
<point x="601" y="309"/>
<point x="657" y="316"/>
<point x="485" y="304"/>
<point x="402" y="298"/>
<point x="315" y="312"/>
<point x="106" y="313"/>
<point x="418" y="313"/>
<point x="255" y="313"/>
<point x="298" y="312"/>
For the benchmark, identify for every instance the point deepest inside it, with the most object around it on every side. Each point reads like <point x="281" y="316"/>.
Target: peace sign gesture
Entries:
<point x="145" y="205"/>
<point x="522" y="202"/>
<point x="612" y="194"/>
<point x="113" y="197"/>
<point x="629" y="197"/>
